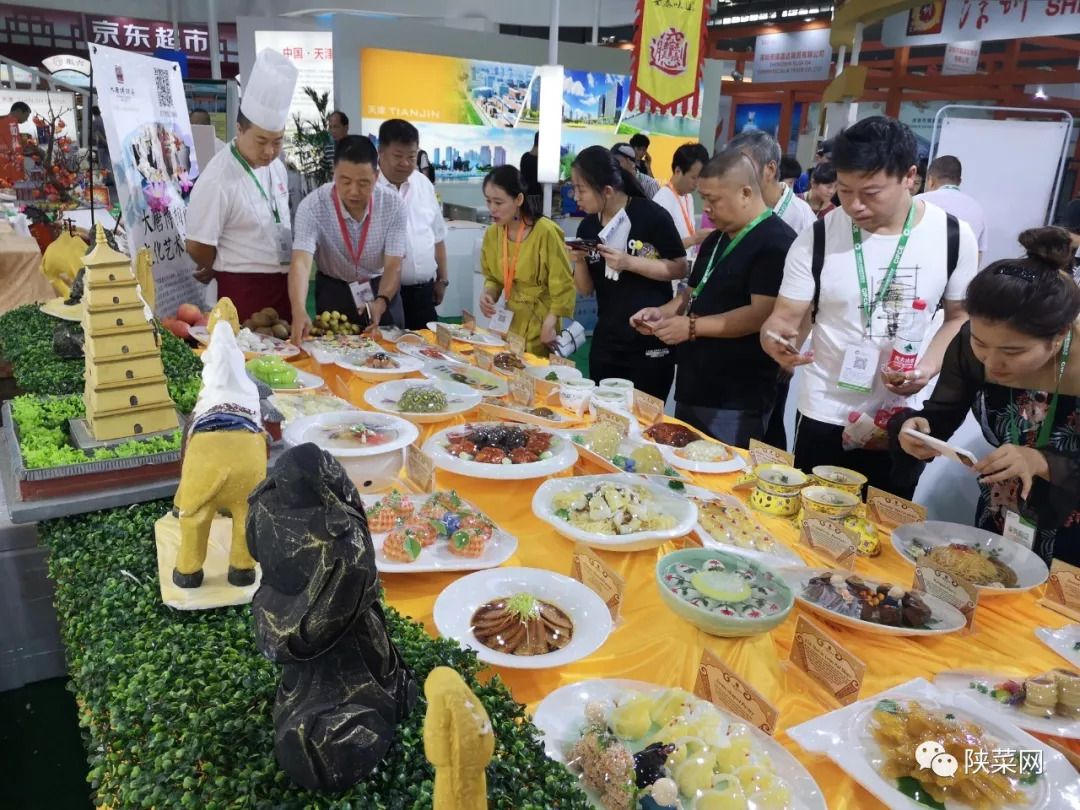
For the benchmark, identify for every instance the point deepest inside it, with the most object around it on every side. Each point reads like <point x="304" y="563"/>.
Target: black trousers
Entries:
<point x="333" y="295"/>
<point x="418" y="301"/>
<point x="819" y="443"/>
<point x="776" y="433"/>
<point x="649" y="376"/>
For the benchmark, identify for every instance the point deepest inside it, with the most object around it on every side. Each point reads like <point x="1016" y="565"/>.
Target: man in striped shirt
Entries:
<point x="338" y="125"/>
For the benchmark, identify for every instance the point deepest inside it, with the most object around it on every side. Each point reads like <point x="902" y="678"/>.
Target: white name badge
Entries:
<point x="362" y="294"/>
<point x="284" y="244"/>
<point x="500" y="321"/>
<point x="1019" y="529"/>
<point x="860" y="367"/>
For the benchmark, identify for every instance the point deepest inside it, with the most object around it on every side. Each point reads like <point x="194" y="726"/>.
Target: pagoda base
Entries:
<point x="83" y="438"/>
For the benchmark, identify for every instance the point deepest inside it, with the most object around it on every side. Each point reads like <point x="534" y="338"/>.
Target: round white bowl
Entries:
<point x="460" y="398"/>
<point x="355" y="363"/>
<point x="562" y="372"/>
<point x="564" y="456"/>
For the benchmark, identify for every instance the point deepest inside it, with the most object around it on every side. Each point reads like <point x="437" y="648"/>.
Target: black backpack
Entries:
<point x="817" y="263"/>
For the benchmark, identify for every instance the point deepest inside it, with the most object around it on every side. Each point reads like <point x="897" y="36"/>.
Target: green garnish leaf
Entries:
<point x="460" y="539"/>
<point x="890" y="706"/>
<point x="412" y="545"/>
<point x="563" y="514"/>
<point x="914" y="790"/>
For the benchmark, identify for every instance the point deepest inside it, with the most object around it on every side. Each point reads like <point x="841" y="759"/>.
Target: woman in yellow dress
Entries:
<point x="524" y="261"/>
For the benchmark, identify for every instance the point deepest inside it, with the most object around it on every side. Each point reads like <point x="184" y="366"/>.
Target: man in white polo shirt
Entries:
<point x="677" y="196"/>
<point x="943" y="179"/>
<point x="238" y="227"/>
<point x="764" y="151"/>
<point x="423" y="270"/>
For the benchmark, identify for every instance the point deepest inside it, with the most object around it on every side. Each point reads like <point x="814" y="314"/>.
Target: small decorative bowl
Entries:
<point x="723" y="593"/>
<point x="779" y="480"/>
<point x="830" y="501"/>
<point x="771" y="504"/>
<point x="868" y="543"/>
<point x="839" y="478"/>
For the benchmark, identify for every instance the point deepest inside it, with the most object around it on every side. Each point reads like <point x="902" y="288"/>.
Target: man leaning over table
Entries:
<point x="355" y="230"/>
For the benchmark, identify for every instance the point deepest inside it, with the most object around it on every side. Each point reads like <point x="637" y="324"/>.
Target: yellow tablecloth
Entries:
<point x="652" y="644"/>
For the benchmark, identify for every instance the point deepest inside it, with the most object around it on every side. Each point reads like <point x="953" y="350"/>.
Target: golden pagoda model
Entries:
<point x="126" y="393"/>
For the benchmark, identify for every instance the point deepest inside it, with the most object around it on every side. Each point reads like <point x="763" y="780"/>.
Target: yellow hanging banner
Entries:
<point x="669" y="54"/>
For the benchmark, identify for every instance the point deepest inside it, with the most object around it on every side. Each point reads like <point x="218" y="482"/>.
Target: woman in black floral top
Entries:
<point x="1016" y="366"/>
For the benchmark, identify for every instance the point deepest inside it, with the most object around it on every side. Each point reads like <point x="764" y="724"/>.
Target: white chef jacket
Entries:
<point x="426" y="227"/>
<point x="227" y="211"/>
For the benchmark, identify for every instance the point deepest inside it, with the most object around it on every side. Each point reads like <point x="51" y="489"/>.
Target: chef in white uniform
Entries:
<point x="238" y="225"/>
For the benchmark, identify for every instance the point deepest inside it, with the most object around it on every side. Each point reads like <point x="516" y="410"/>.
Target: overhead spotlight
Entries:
<point x="1040" y="94"/>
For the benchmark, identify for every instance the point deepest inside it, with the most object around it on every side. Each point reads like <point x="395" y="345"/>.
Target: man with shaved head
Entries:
<point x="725" y="383"/>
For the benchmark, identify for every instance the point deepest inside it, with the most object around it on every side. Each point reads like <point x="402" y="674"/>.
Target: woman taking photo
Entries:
<point x="523" y="258"/>
<point x="822" y="189"/>
<point x="641" y="254"/>
<point x="1016" y="366"/>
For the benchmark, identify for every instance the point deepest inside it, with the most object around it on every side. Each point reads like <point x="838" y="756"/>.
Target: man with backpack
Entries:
<point x="856" y="274"/>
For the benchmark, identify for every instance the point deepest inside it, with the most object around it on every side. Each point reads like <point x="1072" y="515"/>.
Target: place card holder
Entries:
<point x="516" y="343"/>
<point x="522" y="388"/>
<point x="590" y="570"/>
<point x="619" y="420"/>
<point x="1062" y="594"/>
<point x="468" y="320"/>
<point x="717" y="683"/>
<point x="934" y="580"/>
<point x="556" y="360"/>
<point x="443" y="336"/>
<point x="761" y="453"/>
<point x="648" y="409"/>
<point x="829" y="540"/>
<point x="890" y="511"/>
<point x="826" y="662"/>
<point x="419" y="470"/>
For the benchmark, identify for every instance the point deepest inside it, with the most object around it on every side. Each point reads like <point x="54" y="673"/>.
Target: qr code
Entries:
<point x="164" y="87"/>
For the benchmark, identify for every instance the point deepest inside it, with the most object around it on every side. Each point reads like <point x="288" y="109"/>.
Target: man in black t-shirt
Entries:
<point x="725" y="383"/>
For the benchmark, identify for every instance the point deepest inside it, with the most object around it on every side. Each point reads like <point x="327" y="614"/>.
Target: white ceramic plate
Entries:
<point x="563" y="456"/>
<point x="843" y="736"/>
<point x="394" y="334"/>
<point x="355" y="363"/>
<point x="58" y="309"/>
<point x="305" y="383"/>
<point x="959" y="681"/>
<point x="487" y="383"/>
<point x="499" y="549"/>
<point x="477" y="337"/>
<point x="562" y="372"/>
<point x="670" y="502"/>
<point x="295" y="405"/>
<point x="948" y="619"/>
<point x="327" y="349"/>
<point x="460" y="600"/>
<point x="1029" y="568"/>
<point x="735" y="463"/>
<point x="781" y="556"/>
<point x="310" y="429"/>
<point x="459" y="399"/>
<point x="627" y="446"/>
<point x="417" y="350"/>
<point x="1064" y="641"/>
<point x="561" y="715"/>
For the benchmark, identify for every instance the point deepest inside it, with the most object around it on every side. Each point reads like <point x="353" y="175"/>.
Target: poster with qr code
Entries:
<point x="154" y="165"/>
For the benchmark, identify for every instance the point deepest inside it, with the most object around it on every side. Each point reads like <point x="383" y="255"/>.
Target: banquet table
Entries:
<point x="652" y="644"/>
<point x="21" y="281"/>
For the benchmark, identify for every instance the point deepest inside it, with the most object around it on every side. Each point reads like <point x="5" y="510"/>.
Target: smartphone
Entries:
<point x="965" y="457"/>
<point x="585" y="245"/>
<point x="783" y="341"/>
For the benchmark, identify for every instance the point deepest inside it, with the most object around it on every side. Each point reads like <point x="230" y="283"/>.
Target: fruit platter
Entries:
<point x="437" y="532"/>
<point x="500" y="451"/>
<point x="330" y="324"/>
<point x="422" y="401"/>
<point x="477" y="337"/>
<point x="636" y="744"/>
<point x="603" y="444"/>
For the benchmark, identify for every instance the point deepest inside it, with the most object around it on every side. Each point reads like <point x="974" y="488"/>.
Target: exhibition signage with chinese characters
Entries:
<point x="668" y="55"/>
<point x="961" y="58"/>
<point x="799" y="56"/>
<point x="947" y="21"/>
<point x="313" y="54"/>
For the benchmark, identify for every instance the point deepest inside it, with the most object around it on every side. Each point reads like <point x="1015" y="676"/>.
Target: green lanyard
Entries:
<point x="258" y="185"/>
<point x="785" y="202"/>
<point x="860" y="266"/>
<point x="713" y="261"/>
<point x="1047" y="426"/>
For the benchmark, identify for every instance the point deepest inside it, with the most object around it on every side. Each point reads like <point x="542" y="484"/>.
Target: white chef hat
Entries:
<point x="269" y="91"/>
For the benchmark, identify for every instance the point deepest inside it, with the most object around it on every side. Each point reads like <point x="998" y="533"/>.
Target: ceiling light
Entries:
<point x="1040" y="94"/>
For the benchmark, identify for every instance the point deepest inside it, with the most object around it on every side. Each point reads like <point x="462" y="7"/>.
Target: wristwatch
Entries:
<point x="442" y="281"/>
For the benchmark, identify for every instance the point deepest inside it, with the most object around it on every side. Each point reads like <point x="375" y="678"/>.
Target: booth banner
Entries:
<point x="799" y="56"/>
<point x="149" y="135"/>
<point x="946" y="21"/>
<point x="669" y="55"/>
<point x="313" y="54"/>
<point x="961" y="58"/>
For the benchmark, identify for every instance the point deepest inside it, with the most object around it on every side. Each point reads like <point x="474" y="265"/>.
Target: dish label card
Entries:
<point x="468" y="320"/>
<point x="827" y="661"/>
<point x="522" y="388"/>
<point x="891" y="511"/>
<point x="516" y="343"/>
<point x="1063" y="590"/>
<point x="555" y="360"/>
<point x="718" y="684"/>
<point x="484" y="359"/>
<point x="932" y="579"/>
<point x="443" y="336"/>
<point x="596" y="575"/>
<point x="619" y="420"/>
<point x="419" y="469"/>
<point x="761" y="453"/>
<point x="649" y="409"/>
<point x="829" y="540"/>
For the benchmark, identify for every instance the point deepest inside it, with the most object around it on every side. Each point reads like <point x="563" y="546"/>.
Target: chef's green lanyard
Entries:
<point x="714" y="260"/>
<point x="1047" y="426"/>
<point x="255" y="180"/>
<point x="786" y="202"/>
<point x="860" y="266"/>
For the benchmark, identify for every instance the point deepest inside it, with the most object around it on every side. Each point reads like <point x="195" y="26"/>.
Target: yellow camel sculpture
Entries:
<point x="458" y="741"/>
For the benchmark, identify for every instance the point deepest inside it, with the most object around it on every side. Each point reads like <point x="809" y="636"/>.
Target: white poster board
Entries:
<point x="798" y="56"/>
<point x="313" y="54"/>
<point x="961" y="58"/>
<point x="146" y="124"/>
<point x="38" y="101"/>
<point x="1030" y="174"/>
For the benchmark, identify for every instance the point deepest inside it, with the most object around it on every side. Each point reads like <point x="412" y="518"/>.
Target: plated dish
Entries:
<point x="604" y="445"/>
<point x="379" y="366"/>
<point x="617" y="512"/>
<point x="671" y="434"/>
<point x="474" y="336"/>
<point x="438" y="532"/>
<point x="523" y="618"/>
<point x="1047" y="703"/>
<point x="553" y="374"/>
<point x="488" y="384"/>
<point x="723" y="522"/>
<point x="422" y="401"/>
<point x="507" y="363"/>
<point x="537" y="415"/>
<point x="500" y="450"/>
<point x="251" y="343"/>
<point x="282" y="376"/>
<point x="885" y="741"/>
<point x="428" y="353"/>
<point x="295" y="406"/>
<point x="880" y="608"/>
<point x="704" y="456"/>
<point x="327" y="348"/>
<point x="1065" y="641"/>
<point x="993" y="563"/>
<point x="654" y="733"/>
